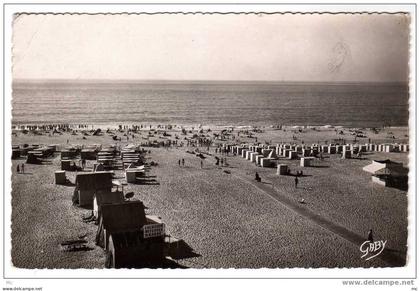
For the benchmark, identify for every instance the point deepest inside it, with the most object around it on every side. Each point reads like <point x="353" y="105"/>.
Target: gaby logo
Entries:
<point x="372" y="249"/>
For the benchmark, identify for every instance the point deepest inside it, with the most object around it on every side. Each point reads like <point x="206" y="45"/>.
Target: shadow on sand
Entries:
<point x="68" y="183"/>
<point x="163" y="264"/>
<point x="177" y="250"/>
<point x="146" y="181"/>
<point x="318" y="166"/>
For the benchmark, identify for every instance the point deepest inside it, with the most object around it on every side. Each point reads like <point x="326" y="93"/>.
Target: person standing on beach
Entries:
<point x="179" y="163"/>
<point x="23" y="168"/>
<point x="370" y="235"/>
<point x="183" y="162"/>
<point x="296" y="181"/>
<point x="257" y="177"/>
<point x="201" y="163"/>
<point x="17" y="169"/>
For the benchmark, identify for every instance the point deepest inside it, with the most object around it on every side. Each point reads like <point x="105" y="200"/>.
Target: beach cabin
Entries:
<point x="129" y="237"/>
<point x="132" y="173"/>
<point x="106" y="162"/>
<point x="253" y="156"/>
<point x="388" y="148"/>
<point x="34" y="158"/>
<point x="53" y="148"/>
<point x="268" y="162"/>
<point x="25" y="149"/>
<point x="88" y="154"/>
<point x="293" y="155"/>
<point x="258" y="159"/>
<point x="388" y="173"/>
<point x="87" y="184"/>
<point x="44" y="152"/>
<point x="404" y="148"/>
<point x="16" y="153"/>
<point x="314" y="150"/>
<point x="346" y="154"/>
<point x="69" y="153"/>
<point x="278" y="149"/>
<point x="248" y="155"/>
<point x="130" y="157"/>
<point x="272" y="155"/>
<point x="98" y="167"/>
<point x="354" y="149"/>
<point x="332" y="149"/>
<point x="104" y="197"/>
<point x="376" y="166"/>
<point x="282" y="169"/>
<point x="266" y="152"/>
<point x="239" y="150"/>
<point x="60" y="177"/>
<point x="306" y="161"/>
<point x="66" y="165"/>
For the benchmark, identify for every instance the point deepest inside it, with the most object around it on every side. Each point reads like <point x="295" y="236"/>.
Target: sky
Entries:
<point x="310" y="48"/>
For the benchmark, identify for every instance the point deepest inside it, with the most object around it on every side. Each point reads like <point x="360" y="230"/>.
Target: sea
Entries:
<point x="210" y="103"/>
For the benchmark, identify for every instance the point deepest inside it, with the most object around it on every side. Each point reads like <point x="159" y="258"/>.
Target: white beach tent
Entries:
<point x="384" y="167"/>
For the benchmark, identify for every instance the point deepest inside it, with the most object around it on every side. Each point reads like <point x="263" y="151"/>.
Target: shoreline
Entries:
<point x="179" y="126"/>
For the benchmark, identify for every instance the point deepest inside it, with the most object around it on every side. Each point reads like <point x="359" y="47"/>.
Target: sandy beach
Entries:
<point x="226" y="217"/>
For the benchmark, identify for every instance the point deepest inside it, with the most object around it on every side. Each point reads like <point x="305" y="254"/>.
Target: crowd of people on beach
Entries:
<point x="46" y="127"/>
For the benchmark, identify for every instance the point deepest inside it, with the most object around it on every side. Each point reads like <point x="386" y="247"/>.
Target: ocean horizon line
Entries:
<point x="204" y="82"/>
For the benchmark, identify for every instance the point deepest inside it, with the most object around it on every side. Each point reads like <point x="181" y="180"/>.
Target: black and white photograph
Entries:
<point x="179" y="141"/>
